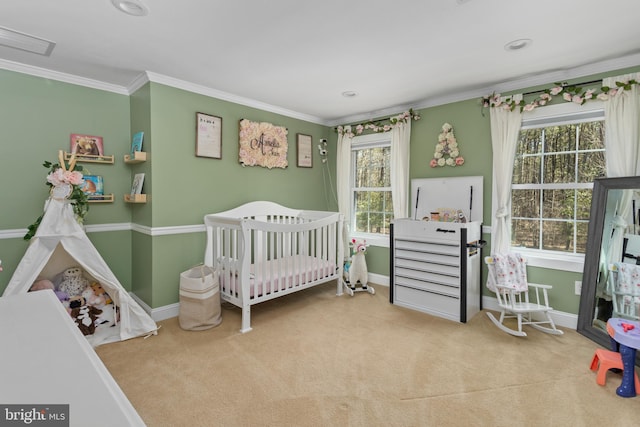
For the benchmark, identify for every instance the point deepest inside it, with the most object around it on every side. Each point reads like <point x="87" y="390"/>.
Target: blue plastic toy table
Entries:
<point x="626" y="333"/>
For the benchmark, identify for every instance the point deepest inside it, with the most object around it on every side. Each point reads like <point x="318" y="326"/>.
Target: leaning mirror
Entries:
<point x="614" y="236"/>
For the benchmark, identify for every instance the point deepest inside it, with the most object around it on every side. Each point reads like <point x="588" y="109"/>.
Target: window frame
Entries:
<point x="374" y="140"/>
<point x="566" y="113"/>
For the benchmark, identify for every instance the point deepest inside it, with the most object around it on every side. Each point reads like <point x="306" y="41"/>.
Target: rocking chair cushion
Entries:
<point x="510" y="271"/>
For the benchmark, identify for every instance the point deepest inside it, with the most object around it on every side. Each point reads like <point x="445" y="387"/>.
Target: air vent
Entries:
<point x="26" y="42"/>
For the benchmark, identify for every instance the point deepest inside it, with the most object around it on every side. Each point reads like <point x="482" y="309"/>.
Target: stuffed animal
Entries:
<point x="76" y="301"/>
<point x="41" y="284"/>
<point x="358" y="269"/>
<point x="107" y="318"/>
<point x="91" y="298"/>
<point x="85" y="317"/>
<point x="73" y="282"/>
<point x="99" y="291"/>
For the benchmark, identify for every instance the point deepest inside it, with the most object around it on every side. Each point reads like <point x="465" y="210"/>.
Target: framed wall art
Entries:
<point x="263" y="144"/>
<point x="208" y="136"/>
<point x="305" y="152"/>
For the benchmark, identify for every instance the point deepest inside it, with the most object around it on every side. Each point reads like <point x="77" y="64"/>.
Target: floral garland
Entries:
<point x="447" y="151"/>
<point x="378" y="126"/>
<point x="61" y="175"/>
<point x="570" y="93"/>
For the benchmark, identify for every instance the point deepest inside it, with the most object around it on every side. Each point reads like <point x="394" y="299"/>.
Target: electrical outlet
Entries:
<point x="578" y="285"/>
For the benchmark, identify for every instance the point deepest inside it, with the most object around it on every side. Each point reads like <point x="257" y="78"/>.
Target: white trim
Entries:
<point x="508" y="86"/>
<point x="512" y="85"/>
<point x="561" y="318"/>
<point x="98" y="228"/>
<point x="123" y="226"/>
<point x="61" y="77"/>
<point x="226" y="96"/>
<point x="160" y="313"/>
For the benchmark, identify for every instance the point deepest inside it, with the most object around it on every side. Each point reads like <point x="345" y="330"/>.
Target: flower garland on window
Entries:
<point x="62" y="175"/>
<point x="570" y="93"/>
<point x="447" y="151"/>
<point x="378" y="126"/>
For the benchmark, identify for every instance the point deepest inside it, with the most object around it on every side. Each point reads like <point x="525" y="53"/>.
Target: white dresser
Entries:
<point x="436" y="265"/>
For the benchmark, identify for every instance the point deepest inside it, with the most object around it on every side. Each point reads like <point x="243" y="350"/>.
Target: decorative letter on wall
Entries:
<point x="263" y="144"/>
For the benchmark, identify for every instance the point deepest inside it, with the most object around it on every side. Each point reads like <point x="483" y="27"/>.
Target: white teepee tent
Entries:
<point x="60" y="243"/>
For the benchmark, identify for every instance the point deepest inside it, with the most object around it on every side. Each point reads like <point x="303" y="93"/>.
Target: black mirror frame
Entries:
<point x="601" y="187"/>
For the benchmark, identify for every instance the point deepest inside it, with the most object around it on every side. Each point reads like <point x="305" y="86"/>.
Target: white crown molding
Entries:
<point x="62" y="77"/>
<point x="225" y="96"/>
<point x="508" y="86"/>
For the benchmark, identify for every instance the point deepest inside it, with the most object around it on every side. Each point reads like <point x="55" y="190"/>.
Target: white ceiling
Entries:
<point x="297" y="57"/>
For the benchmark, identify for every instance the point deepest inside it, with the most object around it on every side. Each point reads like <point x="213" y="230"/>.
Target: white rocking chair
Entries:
<point x="508" y="279"/>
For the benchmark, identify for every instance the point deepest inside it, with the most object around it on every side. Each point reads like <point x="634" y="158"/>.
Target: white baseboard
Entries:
<point x="566" y="320"/>
<point x="160" y="313"/>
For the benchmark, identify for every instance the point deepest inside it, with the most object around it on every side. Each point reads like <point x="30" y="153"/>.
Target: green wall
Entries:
<point x="37" y="116"/>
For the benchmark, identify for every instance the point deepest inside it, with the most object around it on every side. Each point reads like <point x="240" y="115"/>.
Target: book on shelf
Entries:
<point x="93" y="186"/>
<point x="138" y="181"/>
<point x="136" y="143"/>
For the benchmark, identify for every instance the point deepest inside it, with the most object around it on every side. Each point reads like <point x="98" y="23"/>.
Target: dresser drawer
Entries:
<point x="450" y="260"/>
<point x="429" y="302"/>
<point x="427" y="276"/>
<point x="427" y="266"/>
<point x="419" y="246"/>
<point x="452" y="290"/>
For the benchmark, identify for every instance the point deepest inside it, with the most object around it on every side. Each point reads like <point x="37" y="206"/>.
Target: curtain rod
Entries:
<point x="565" y="84"/>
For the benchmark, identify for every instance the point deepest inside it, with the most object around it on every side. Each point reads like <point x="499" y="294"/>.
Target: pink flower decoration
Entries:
<point x="433" y="163"/>
<point x="556" y="90"/>
<point x="566" y="96"/>
<point x="459" y="161"/>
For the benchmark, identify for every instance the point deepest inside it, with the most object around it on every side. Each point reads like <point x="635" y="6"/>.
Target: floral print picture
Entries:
<point x="447" y="152"/>
<point x="263" y="144"/>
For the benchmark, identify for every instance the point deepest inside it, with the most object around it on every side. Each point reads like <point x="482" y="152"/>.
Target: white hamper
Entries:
<point x="199" y="299"/>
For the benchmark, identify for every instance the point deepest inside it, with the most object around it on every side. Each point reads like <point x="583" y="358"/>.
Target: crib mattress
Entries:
<point x="278" y="275"/>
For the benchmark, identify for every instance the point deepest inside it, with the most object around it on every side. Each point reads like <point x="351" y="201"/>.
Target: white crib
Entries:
<point x="263" y="250"/>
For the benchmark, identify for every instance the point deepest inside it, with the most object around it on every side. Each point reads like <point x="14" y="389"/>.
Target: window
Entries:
<point x="371" y="185"/>
<point x="557" y="159"/>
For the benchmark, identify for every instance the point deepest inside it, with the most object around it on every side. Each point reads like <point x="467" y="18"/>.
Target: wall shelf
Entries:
<point x="135" y="198"/>
<point x="138" y="157"/>
<point x="88" y="158"/>
<point x="107" y="198"/>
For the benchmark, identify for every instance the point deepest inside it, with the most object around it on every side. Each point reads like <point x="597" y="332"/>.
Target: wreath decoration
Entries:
<point x="447" y="152"/>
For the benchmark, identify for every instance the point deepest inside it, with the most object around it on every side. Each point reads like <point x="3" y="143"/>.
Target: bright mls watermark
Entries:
<point x="34" y="415"/>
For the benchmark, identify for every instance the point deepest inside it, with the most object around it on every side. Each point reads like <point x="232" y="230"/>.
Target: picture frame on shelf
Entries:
<point x="138" y="182"/>
<point x="86" y="145"/>
<point x="304" y="150"/>
<point x="208" y="136"/>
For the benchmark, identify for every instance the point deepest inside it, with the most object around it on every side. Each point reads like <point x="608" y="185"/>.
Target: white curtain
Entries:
<point x="343" y="184"/>
<point x="505" y="128"/>
<point x="622" y="131"/>
<point x="400" y="144"/>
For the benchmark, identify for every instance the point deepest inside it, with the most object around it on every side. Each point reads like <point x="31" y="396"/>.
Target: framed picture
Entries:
<point x="263" y="144"/>
<point x="208" y="136"/>
<point x="86" y="145"/>
<point x="138" y="181"/>
<point x="93" y="185"/>
<point x="305" y="152"/>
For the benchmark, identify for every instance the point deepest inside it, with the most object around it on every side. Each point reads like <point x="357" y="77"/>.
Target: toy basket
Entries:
<point x="199" y="299"/>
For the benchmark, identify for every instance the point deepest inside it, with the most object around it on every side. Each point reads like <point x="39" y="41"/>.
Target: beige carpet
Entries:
<point x="314" y="359"/>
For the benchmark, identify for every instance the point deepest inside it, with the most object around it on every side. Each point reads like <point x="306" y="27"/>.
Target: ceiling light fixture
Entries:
<point x="131" y="7"/>
<point x="26" y="42"/>
<point x="517" y="44"/>
<point x="349" y="94"/>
